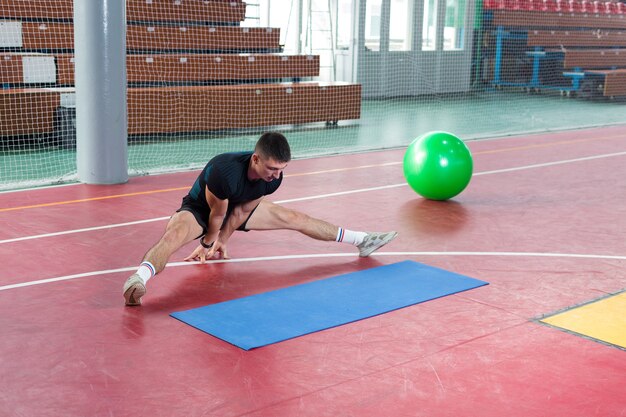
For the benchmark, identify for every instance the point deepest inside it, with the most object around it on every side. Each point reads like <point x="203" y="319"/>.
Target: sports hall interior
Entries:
<point x="534" y="88"/>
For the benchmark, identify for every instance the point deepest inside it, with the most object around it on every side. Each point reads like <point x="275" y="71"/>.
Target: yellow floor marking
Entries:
<point x="603" y="320"/>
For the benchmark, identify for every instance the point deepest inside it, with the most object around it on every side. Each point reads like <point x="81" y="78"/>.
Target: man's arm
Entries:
<point x="236" y="218"/>
<point x="239" y="215"/>
<point x="216" y="218"/>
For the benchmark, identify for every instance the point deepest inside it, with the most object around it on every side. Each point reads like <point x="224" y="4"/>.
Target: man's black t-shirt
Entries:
<point x="226" y="176"/>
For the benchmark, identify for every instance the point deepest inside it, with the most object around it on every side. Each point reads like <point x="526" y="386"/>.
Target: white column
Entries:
<point x="100" y="68"/>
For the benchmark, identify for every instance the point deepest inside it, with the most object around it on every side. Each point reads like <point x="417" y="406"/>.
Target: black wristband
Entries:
<point x="204" y="245"/>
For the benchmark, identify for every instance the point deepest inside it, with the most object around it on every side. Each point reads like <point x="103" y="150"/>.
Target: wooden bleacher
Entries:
<point x="613" y="81"/>
<point x="231" y="11"/>
<point x="577" y="38"/>
<point x="59" y="36"/>
<point x="165" y="68"/>
<point x="594" y="58"/>
<point x="18" y="68"/>
<point x="587" y="45"/>
<point x="194" y="108"/>
<point x="547" y="19"/>
<point x="187" y="109"/>
<point x="27" y="111"/>
<point x="228" y="76"/>
<point x="205" y="67"/>
<point x="201" y="38"/>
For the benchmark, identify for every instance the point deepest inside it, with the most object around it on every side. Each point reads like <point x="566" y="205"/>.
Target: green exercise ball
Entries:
<point x="438" y="165"/>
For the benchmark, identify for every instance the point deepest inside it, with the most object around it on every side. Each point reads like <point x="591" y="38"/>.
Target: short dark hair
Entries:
<point x="275" y="146"/>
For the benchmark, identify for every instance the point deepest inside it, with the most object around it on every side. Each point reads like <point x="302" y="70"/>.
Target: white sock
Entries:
<point x="349" y="236"/>
<point x="146" y="271"/>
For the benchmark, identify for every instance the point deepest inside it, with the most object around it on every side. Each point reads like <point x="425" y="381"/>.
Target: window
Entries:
<point x="344" y="24"/>
<point x="429" y="28"/>
<point x="401" y="27"/>
<point x="372" y="25"/>
<point x="454" y="28"/>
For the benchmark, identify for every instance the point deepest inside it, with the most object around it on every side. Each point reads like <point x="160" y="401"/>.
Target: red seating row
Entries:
<point x="576" y="38"/>
<point x="558" y="6"/>
<point x="559" y="21"/>
<point x="571" y="37"/>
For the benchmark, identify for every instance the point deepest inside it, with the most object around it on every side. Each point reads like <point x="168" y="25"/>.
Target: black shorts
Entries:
<point x="201" y="213"/>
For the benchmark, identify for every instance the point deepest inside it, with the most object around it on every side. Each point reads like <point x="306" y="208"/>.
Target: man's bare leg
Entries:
<point x="271" y="216"/>
<point x="181" y="229"/>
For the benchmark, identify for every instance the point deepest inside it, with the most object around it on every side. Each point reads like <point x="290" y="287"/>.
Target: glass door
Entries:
<point x="413" y="47"/>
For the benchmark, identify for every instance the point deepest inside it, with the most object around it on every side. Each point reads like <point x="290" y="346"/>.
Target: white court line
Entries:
<point x="156" y="219"/>
<point x="315" y="255"/>
<point x="293" y="200"/>
<point x="87" y="229"/>
<point x="547" y="164"/>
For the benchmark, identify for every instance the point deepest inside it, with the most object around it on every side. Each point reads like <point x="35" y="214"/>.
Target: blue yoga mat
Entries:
<point x="283" y="314"/>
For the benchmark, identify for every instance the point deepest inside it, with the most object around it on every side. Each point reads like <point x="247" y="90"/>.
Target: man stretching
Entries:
<point x="228" y="196"/>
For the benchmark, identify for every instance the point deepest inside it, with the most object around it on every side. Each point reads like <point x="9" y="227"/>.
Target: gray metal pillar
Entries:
<point x="100" y="68"/>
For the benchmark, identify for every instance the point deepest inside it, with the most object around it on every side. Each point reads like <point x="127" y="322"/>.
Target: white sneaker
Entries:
<point x="134" y="289"/>
<point x="374" y="241"/>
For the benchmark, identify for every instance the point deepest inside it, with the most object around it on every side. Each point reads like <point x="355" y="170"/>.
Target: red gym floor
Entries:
<point x="543" y="221"/>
